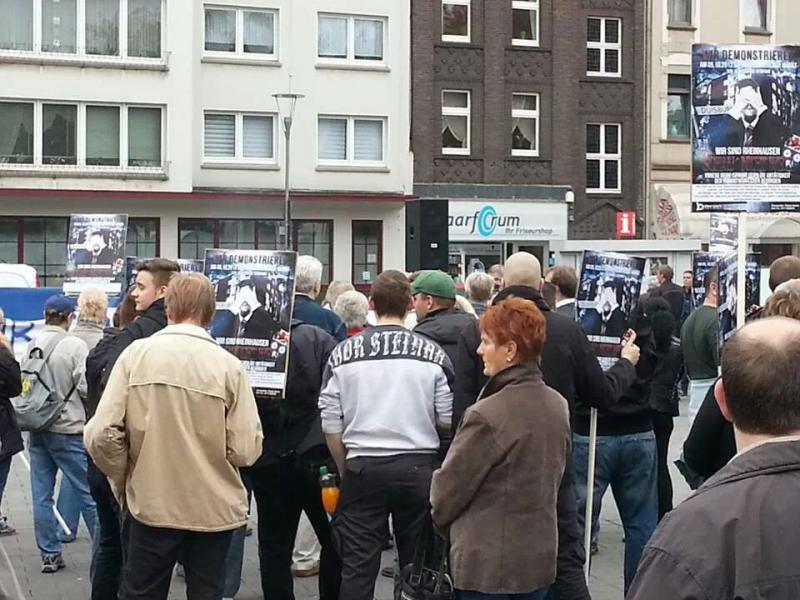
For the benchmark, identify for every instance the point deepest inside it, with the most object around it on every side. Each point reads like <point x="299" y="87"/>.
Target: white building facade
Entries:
<point x="164" y="111"/>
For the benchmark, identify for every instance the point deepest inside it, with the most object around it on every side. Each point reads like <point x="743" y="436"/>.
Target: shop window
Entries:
<point x="40" y="242"/>
<point x="367" y="239"/>
<point x="315" y="238"/>
<point x="143" y="237"/>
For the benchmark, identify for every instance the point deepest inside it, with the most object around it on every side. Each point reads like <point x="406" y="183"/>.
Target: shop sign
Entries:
<point x="487" y="221"/>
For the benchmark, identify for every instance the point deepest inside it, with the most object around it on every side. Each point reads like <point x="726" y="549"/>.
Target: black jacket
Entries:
<point x="10" y="386"/>
<point x="711" y="443"/>
<point x="292" y="425"/>
<point x="96" y="363"/>
<point x="664" y="387"/>
<point x="733" y="538"/>
<point x="674" y="295"/>
<point x="154" y="319"/>
<point x="444" y="327"/>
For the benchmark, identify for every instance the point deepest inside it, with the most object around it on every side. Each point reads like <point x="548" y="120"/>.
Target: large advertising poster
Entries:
<point x="702" y="263"/>
<point x="723" y="233"/>
<point x="96" y="250"/>
<point x="610" y="287"/>
<point x="726" y="310"/>
<point x="254" y="293"/>
<point x="745" y="120"/>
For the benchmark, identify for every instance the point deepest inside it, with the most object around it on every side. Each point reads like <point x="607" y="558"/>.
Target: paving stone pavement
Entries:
<point x="72" y="583"/>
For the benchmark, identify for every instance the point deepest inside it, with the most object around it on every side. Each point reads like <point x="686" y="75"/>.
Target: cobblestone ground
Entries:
<point x="72" y="583"/>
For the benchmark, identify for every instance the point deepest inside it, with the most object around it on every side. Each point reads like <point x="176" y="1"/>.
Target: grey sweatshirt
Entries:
<point x="384" y="390"/>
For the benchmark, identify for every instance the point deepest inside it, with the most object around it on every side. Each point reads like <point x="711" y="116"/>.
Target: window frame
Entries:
<point x="350" y="160"/>
<point x="81" y="55"/>
<point x="351" y="60"/>
<point x="19" y="222"/>
<point x="676" y="91"/>
<point x="81" y="134"/>
<point x="604" y="157"/>
<point x="238" y="53"/>
<point x="452" y="111"/>
<point x="673" y="23"/>
<point x="238" y="158"/>
<point x="529" y="5"/>
<point x="767" y="20"/>
<point x="156" y="221"/>
<point x="358" y="282"/>
<point x="457" y="39"/>
<point x="521" y="113"/>
<point x="603" y="46"/>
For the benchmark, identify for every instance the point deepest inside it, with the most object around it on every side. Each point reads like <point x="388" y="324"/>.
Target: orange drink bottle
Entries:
<point x="330" y="491"/>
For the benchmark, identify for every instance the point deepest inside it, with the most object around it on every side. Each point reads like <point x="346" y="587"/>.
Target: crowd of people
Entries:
<point x="465" y="417"/>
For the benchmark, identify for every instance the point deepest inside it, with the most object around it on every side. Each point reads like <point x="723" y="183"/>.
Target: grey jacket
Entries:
<point x="734" y="538"/>
<point x="89" y="331"/>
<point x="68" y="365"/>
<point x="567" y="310"/>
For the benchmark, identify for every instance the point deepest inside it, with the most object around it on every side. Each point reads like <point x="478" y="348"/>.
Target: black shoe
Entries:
<point x="594" y="549"/>
<point x="52" y="563"/>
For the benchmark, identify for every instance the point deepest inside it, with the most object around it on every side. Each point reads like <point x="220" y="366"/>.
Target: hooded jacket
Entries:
<point x="444" y="327"/>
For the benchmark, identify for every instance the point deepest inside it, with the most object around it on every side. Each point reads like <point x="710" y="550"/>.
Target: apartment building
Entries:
<point x="676" y="25"/>
<point x="164" y="111"/>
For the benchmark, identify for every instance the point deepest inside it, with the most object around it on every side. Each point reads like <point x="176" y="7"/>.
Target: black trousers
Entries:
<point x="107" y="558"/>
<point x="373" y="489"/>
<point x="283" y="490"/>
<point x="153" y="551"/>
<point x="662" y="426"/>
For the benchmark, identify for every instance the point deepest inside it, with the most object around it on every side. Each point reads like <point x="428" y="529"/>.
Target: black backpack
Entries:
<point x="96" y="363"/>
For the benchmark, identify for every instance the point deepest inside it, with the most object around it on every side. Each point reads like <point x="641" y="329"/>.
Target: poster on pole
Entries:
<point x="609" y="289"/>
<point x="723" y="233"/>
<point x="95" y="253"/>
<point x="726" y="309"/>
<point x="745" y="121"/>
<point x="702" y="263"/>
<point x="254" y="294"/>
<point x="753" y="283"/>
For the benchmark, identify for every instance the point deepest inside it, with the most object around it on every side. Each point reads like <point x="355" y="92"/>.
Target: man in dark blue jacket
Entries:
<point x="308" y="284"/>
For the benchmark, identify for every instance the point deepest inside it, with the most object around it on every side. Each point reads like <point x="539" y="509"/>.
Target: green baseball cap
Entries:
<point x="434" y="283"/>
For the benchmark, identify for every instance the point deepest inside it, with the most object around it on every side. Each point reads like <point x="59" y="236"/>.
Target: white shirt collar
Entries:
<point x="565" y="302"/>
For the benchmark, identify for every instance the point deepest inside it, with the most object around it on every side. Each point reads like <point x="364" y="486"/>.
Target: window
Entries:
<point x="755" y="14"/>
<point x="87" y="28"/>
<point x="248" y="33"/>
<point x="525" y="22"/>
<point x="603" y="157"/>
<point x="456" y="20"/>
<point x="455" y="122"/>
<point x="309" y="237"/>
<point x="40" y="242"/>
<point x="112" y="135"/>
<point x="680" y="12"/>
<point x="604" y="47"/>
<point x="678" y="119"/>
<point x="525" y="124"/>
<point x="351" y="139"/>
<point x="367" y="250"/>
<point x="351" y="39"/>
<point x="143" y="237"/>
<point x="16" y="133"/>
<point x="238" y="137"/>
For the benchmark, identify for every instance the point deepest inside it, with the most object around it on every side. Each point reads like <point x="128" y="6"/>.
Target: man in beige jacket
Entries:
<point x="176" y="421"/>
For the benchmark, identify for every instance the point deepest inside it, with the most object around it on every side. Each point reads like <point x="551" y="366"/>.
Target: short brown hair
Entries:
<point x="190" y="296"/>
<point x="783" y="269"/>
<point x="565" y="279"/>
<point x="160" y="268"/>
<point x="126" y="309"/>
<point x="516" y="320"/>
<point x="666" y="272"/>
<point x="391" y="294"/>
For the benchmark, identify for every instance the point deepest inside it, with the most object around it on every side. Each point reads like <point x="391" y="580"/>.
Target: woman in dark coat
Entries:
<point x="10" y="436"/>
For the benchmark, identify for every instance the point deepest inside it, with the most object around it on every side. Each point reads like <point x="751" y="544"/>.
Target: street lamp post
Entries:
<point x="286" y="104"/>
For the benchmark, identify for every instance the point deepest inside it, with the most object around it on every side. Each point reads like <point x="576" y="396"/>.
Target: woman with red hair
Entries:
<point x="496" y="491"/>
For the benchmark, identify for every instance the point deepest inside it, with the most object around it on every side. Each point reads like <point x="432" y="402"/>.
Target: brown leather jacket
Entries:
<point x="496" y="491"/>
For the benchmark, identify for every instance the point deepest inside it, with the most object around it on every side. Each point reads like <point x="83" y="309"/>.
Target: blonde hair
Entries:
<point x="92" y="306"/>
<point x="190" y="297"/>
<point x="352" y="307"/>
<point x="464" y="305"/>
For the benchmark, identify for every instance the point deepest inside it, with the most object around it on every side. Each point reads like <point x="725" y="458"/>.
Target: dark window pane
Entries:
<point x="142" y="238"/>
<point x="593" y="30"/>
<point x="455" y="19"/>
<point x="593" y="174"/>
<point x="612" y="61"/>
<point x="524" y="25"/>
<point x="58" y="134"/>
<point x="45" y="248"/>
<point x="612" y="174"/>
<point x="680" y="82"/>
<point x="314" y="238"/>
<point x="593" y="139"/>
<point x="237" y="234"/>
<point x="612" y="139"/>
<point x="367" y="239"/>
<point x="612" y="31"/>
<point x="593" y="60"/>
<point x="16" y="141"/>
<point x="268" y="235"/>
<point x="195" y="237"/>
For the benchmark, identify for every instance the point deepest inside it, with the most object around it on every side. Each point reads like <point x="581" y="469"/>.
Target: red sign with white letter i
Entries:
<point x="626" y="225"/>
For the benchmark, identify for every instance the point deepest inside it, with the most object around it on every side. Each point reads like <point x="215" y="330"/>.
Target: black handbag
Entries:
<point x="428" y="577"/>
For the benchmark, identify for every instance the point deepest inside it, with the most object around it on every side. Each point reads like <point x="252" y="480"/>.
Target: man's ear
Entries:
<point x="722" y="400"/>
<point x="162" y="291"/>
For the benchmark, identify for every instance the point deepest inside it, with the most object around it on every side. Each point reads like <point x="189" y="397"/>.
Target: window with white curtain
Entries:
<point x="238" y="31"/>
<point x="604" y="47"/>
<point x="756" y="14"/>
<point x="351" y="38"/>
<point x="680" y="13"/>
<point x="238" y="137"/>
<point x="114" y="136"/>
<point x="16" y="25"/>
<point x="456" y="20"/>
<point x="356" y="140"/>
<point x="603" y="157"/>
<point x="59" y="26"/>
<point x="525" y="124"/>
<point x="525" y="22"/>
<point x="144" y="28"/>
<point x="455" y="122"/>
<point x="102" y="27"/>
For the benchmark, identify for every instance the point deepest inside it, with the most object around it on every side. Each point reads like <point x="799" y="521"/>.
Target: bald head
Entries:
<point x="761" y="377"/>
<point x="522" y="268"/>
<point x="783" y="269"/>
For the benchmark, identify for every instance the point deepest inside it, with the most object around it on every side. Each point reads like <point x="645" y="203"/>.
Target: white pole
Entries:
<point x="587" y="521"/>
<point x="741" y="276"/>
<point x="59" y="518"/>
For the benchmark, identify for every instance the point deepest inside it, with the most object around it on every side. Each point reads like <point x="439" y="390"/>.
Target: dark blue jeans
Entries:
<point x="628" y="464"/>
